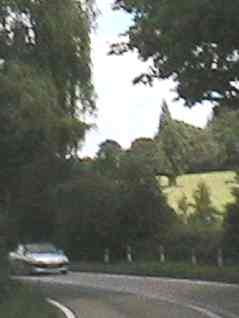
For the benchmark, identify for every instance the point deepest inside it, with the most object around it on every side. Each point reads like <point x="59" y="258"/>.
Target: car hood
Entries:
<point x="47" y="257"/>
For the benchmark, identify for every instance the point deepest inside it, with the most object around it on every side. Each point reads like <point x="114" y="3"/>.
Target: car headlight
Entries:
<point x="35" y="263"/>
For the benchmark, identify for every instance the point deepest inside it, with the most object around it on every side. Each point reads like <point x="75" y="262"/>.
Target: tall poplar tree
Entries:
<point x="46" y="89"/>
<point x="45" y="73"/>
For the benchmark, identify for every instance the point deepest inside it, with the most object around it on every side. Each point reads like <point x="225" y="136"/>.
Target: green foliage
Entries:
<point x="200" y="228"/>
<point x="144" y="213"/>
<point x="140" y="162"/>
<point x="204" y="63"/>
<point x="231" y="223"/>
<point x="32" y="209"/>
<point x="87" y="218"/>
<point x="108" y="158"/>
<point x="45" y="74"/>
<point x="205" y="213"/>
<point x="165" y="116"/>
<point x="46" y="86"/>
<point x="183" y="207"/>
<point x="171" y="148"/>
<point x="111" y="201"/>
<point x="173" y="145"/>
<point x="184" y="148"/>
<point x="205" y="153"/>
<point x="225" y="128"/>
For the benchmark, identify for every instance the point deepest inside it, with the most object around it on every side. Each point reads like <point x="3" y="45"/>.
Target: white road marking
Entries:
<point x="67" y="312"/>
<point x="198" y="309"/>
<point x="204" y="311"/>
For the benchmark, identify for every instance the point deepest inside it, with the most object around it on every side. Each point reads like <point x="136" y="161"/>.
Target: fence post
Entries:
<point x="220" y="258"/>
<point x="162" y="254"/>
<point x="106" y="256"/>
<point x="129" y="254"/>
<point x="194" y="257"/>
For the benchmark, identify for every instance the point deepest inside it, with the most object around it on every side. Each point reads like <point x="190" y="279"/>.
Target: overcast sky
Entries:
<point x="126" y="112"/>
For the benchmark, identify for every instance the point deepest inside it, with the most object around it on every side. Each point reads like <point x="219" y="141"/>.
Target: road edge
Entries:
<point x="171" y="279"/>
<point x="66" y="311"/>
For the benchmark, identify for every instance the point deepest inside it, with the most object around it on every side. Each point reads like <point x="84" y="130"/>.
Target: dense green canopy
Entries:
<point x="46" y="89"/>
<point x="45" y="72"/>
<point x="194" y="42"/>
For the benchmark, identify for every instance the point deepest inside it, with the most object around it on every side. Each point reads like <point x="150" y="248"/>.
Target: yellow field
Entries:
<point x="219" y="183"/>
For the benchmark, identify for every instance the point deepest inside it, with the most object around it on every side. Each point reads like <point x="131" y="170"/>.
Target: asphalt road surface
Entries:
<point x="111" y="296"/>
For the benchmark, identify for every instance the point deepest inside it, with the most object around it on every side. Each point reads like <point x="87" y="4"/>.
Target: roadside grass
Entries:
<point x="220" y="185"/>
<point x="227" y="274"/>
<point x="25" y="301"/>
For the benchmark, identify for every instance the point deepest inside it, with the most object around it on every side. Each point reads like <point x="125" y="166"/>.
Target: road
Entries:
<point x="112" y="296"/>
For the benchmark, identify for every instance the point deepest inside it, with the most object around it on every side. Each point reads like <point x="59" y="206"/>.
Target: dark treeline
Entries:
<point x="114" y="200"/>
<point x="87" y="205"/>
<point x="183" y="148"/>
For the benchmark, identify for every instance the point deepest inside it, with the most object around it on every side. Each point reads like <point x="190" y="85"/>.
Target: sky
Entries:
<point x="127" y="111"/>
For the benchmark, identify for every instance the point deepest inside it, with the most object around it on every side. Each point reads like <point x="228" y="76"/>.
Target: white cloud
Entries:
<point x="126" y="112"/>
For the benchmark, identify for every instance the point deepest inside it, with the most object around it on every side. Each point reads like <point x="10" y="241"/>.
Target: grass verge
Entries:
<point x="25" y="301"/>
<point x="227" y="274"/>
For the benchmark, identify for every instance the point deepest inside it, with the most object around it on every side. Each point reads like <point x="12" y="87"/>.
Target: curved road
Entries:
<point x="112" y="296"/>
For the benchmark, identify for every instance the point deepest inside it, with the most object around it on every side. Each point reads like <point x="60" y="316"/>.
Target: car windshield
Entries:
<point x="41" y="248"/>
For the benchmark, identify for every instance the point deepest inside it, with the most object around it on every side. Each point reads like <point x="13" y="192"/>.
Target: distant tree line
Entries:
<point x="183" y="148"/>
<point x="115" y="199"/>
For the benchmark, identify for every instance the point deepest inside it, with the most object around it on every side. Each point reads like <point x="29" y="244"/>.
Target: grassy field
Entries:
<point x="219" y="183"/>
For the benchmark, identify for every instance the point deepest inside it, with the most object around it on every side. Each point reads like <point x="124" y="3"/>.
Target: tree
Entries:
<point x="46" y="74"/>
<point x="225" y="128"/>
<point x="231" y="222"/>
<point x="183" y="206"/>
<point x="203" y="63"/>
<point x="173" y="147"/>
<point x="33" y="214"/>
<point x="139" y="164"/>
<point x="87" y="219"/>
<point x="204" y="212"/>
<point x="144" y="150"/>
<point x="46" y="86"/>
<point x="144" y="213"/>
<point x="205" y="152"/>
<point x="165" y="116"/>
<point x="108" y="158"/>
<point x="184" y="148"/>
<point x="109" y="148"/>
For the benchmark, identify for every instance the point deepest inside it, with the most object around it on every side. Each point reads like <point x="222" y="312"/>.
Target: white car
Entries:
<point x="38" y="258"/>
